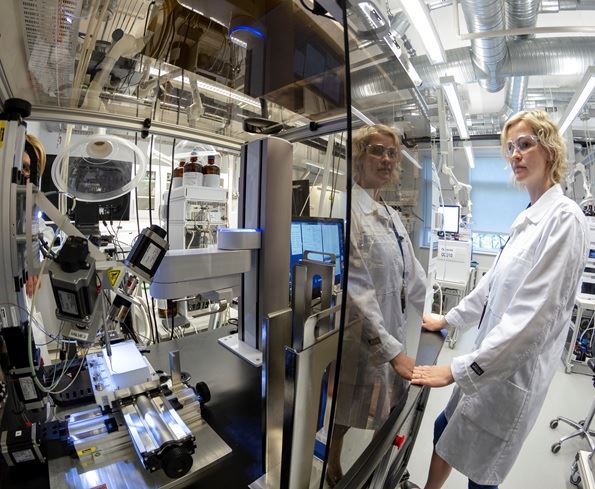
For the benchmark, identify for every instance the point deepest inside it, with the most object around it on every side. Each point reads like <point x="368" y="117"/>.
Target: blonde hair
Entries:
<point x="549" y="137"/>
<point x="39" y="151"/>
<point x="362" y="138"/>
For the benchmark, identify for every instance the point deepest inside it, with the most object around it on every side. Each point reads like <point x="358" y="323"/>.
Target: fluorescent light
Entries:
<point x="449" y="87"/>
<point x="210" y="87"/>
<point x="372" y="15"/>
<point x="419" y="16"/>
<point x="410" y="157"/>
<point x="469" y="153"/>
<point x="361" y="116"/>
<point x="392" y="43"/>
<point x="578" y="100"/>
<point x="320" y="167"/>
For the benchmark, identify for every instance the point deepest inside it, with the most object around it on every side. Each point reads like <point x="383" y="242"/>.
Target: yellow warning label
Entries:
<point x="2" y="133"/>
<point x="113" y="276"/>
<point x="86" y="451"/>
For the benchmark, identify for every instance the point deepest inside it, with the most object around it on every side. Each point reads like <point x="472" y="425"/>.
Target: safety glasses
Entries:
<point x="522" y="143"/>
<point x="378" y="151"/>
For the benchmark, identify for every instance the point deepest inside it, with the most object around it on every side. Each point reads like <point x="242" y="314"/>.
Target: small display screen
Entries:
<point x="451" y="217"/>
<point x="591" y="253"/>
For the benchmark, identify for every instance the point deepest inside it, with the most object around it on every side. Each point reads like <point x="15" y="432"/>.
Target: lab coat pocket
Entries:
<point x="495" y="408"/>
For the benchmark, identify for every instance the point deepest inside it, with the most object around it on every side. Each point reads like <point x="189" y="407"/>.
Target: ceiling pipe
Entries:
<point x="527" y="57"/>
<point x="518" y="14"/>
<point x="487" y="54"/>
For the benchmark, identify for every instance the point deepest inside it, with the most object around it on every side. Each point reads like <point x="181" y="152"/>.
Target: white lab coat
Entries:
<point x="375" y="330"/>
<point x="501" y="385"/>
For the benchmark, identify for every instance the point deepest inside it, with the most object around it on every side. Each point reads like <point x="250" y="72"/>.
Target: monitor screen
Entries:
<point x="317" y="234"/>
<point x="451" y="217"/>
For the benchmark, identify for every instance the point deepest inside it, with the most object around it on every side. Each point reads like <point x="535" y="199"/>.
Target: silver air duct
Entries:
<point x="527" y="57"/>
<point x="518" y="14"/>
<point x="487" y="54"/>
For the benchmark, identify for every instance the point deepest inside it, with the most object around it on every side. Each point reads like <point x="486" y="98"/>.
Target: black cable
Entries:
<point x="147" y="17"/>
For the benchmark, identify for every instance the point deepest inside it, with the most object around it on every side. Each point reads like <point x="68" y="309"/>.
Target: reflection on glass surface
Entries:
<point x="203" y="65"/>
<point x="385" y="283"/>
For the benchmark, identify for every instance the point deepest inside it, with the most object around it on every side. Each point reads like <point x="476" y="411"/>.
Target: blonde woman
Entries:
<point x="385" y="282"/>
<point x="522" y="307"/>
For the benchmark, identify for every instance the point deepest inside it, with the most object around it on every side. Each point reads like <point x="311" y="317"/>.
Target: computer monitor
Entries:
<point x="317" y="234"/>
<point x="451" y="216"/>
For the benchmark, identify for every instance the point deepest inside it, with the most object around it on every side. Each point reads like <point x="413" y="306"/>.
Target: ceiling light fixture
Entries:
<point x="469" y="153"/>
<point x="210" y="87"/>
<point x="450" y="90"/>
<point x="419" y="16"/>
<point x="578" y="100"/>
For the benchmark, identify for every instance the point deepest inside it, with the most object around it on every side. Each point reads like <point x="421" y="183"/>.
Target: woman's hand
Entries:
<point x="429" y="323"/>
<point x="403" y="365"/>
<point x="432" y="375"/>
<point x="30" y="285"/>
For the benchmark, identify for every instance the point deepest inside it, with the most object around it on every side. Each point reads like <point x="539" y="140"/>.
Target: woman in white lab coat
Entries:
<point x="385" y="282"/>
<point x="523" y="307"/>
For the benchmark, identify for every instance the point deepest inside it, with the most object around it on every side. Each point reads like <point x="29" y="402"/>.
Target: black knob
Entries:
<point x="176" y="462"/>
<point x="17" y="106"/>
<point x="202" y="391"/>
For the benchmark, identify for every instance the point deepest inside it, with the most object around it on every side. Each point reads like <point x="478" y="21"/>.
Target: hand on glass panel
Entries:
<point x="432" y="375"/>
<point x="403" y="365"/>
<point x="433" y="322"/>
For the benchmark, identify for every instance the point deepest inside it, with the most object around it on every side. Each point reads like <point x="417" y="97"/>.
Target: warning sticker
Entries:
<point x="86" y="451"/>
<point x="2" y="133"/>
<point x="113" y="275"/>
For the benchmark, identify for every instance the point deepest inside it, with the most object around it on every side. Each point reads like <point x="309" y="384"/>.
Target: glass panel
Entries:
<point x="386" y="286"/>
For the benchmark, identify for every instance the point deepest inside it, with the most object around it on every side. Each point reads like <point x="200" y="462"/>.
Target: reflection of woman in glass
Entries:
<point x="385" y="282"/>
<point x="522" y="307"/>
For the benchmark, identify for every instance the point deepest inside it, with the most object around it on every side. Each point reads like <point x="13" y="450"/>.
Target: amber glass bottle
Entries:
<point x="192" y="172"/>
<point x="211" y="173"/>
<point x="178" y="174"/>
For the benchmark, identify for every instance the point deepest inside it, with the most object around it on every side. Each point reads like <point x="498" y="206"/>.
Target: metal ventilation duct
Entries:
<point x="515" y="95"/>
<point x="483" y="16"/>
<point x="487" y="54"/>
<point x="527" y="57"/>
<point x="518" y="14"/>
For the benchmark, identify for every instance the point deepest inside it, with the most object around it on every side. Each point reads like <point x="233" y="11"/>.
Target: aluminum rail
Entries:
<point x="130" y="123"/>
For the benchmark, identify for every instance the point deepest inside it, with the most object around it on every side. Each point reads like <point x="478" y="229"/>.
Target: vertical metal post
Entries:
<point x="265" y="205"/>
<point x="303" y="378"/>
<point x="278" y="335"/>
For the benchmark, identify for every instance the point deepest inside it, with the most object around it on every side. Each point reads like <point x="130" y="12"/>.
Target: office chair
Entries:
<point x="583" y="427"/>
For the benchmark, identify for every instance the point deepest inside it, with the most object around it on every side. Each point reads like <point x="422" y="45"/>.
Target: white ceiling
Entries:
<point x="476" y="100"/>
